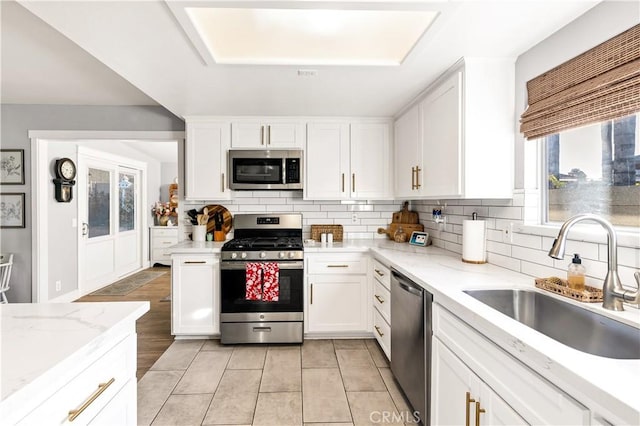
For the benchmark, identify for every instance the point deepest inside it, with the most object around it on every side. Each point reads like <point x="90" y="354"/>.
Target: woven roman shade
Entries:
<point x="600" y="84"/>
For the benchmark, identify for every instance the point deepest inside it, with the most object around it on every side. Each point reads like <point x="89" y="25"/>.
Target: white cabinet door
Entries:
<point x="195" y="294"/>
<point x="459" y="397"/>
<point x="206" y="160"/>
<point x="442" y="140"/>
<point x="327" y="161"/>
<point x="407" y="140"/>
<point x="267" y="133"/>
<point x="337" y="303"/>
<point x="370" y="161"/>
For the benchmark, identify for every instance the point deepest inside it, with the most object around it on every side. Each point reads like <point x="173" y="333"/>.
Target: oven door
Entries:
<point x="233" y="302"/>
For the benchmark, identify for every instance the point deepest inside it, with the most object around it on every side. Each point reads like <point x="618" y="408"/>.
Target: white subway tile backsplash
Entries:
<point x="540" y="271"/>
<point x="333" y="208"/>
<point x="504" y="261"/>
<point x="586" y="250"/>
<point x="280" y="208"/>
<point x="499" y="248"/>
<point x="482" y="211"/>
<point x="494" y="235"/>
<point x="277" y="200"/>
<point x="531" y="255"/>
<point x="314" y="215"/>
<point x="526" y="240"/>
<point x="506" y="212"/>
<point x="454" y="247"/>
<point x="497" y="202"/>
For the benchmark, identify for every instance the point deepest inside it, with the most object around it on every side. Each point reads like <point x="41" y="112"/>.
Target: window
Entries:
<point x="595" y="169"/>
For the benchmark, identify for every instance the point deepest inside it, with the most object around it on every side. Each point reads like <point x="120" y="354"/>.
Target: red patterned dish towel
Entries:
<point x="253" y="271"/>
<point x="271" y="281"/>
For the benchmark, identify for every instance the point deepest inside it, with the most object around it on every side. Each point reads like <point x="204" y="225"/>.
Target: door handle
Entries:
<point x="378" y="330"/>
<point x="195" y="262"/>
<point x="353" y="182"/>
<point x="337" y="266"/>
<point x="377" y="271"/>
<point x="262" y="329"/>
<point x="413" y="178"/>
<point x="222" y="182"/>
<point x="268" y="134"/>
<point x="343" y="182"/>
<point x="418" y="170"/>
<point x="380" y="299"/>
<point x="85" y="229"/>
<point x="311" y="295"/>
<point x="261" y="135"/>
<point x="468" y="409"/>
<point x="101" y="388"/>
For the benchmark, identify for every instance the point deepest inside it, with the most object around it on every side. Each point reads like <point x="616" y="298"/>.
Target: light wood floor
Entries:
<point x="153" y="328"/>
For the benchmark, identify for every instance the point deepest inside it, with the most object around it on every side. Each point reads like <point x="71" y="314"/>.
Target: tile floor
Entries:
<point x="337" y="382"/>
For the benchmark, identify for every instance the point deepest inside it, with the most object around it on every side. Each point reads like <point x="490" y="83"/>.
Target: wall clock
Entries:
<point x="65" y="170"/>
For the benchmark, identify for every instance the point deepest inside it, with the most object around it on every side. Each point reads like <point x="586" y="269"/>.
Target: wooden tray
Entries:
<point x="588" y="295"/>
<point x="336" y="230"/>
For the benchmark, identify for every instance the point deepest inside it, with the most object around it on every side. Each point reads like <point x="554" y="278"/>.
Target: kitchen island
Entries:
<point x="56" y="357"/>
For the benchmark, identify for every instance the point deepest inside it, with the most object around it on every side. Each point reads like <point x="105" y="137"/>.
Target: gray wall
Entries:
<point x="17" y="120"/>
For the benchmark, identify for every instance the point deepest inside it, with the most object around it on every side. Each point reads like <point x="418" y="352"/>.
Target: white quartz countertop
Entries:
<point x="42" y="342"/>
<point x="195" y="247"/>
<point x="609" y="386"/>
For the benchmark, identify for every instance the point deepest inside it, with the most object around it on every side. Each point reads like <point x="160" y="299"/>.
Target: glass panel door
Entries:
<point x="126" y="201"/>
<point x="99" y="202"/>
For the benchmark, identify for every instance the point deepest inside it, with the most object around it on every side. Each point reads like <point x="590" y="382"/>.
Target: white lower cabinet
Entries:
<point x="195" y="294"/>
<point x="160" y="239"/>
<point x="104" y="393"/>
<point x="508" y="391"/>
<point x="460" y="397"/>
<point x="337" y="294"/>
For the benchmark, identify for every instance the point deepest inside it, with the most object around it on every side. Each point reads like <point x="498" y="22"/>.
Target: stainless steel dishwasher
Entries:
<point x="411" y="341"/>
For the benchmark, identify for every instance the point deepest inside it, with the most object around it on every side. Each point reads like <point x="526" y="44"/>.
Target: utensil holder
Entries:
<point x="199" y="232"/>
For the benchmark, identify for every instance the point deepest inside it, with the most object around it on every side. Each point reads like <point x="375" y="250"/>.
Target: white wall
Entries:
<point x="168" y="172"/>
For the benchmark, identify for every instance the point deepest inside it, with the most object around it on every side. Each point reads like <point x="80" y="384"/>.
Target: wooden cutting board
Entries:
<point x="405" y="215"/>
<point x="227" y="219"/>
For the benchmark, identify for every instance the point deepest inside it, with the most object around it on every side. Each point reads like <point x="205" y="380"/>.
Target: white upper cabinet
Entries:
<point x="267" y="133"/>
<point x="370" y="161"/>
<point x="407" y="153"/>
<point x="347" y="160"/>
<point x="460" y="135"/>
<point x="206" y="160"/>
<point x="327" y="161"/>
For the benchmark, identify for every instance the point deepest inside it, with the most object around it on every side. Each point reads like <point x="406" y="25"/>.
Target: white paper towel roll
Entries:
<point x="473" y="241"/>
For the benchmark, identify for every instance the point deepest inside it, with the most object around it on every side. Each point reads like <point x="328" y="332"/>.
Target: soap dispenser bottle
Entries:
<point x="575" y="273"/>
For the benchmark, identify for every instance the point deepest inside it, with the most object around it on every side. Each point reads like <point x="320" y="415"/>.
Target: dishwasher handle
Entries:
<point x="406" y="285"/>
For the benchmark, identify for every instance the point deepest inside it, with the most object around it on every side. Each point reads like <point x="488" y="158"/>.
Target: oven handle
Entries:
<point x="234" y="265"/>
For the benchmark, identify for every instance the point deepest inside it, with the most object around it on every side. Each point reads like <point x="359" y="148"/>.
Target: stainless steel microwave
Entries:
<point x="271" y="169"/>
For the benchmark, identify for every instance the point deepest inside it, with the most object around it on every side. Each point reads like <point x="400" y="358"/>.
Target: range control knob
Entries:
<point x="281" y="255"/>
<point x="292" y="254"/>
<point x="234" y="255"/>
<point x="243" y="255"/>
<point x="263" y="254"/>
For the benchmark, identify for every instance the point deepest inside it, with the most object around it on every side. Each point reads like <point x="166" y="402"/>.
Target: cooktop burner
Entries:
<point x="264" y="243"/>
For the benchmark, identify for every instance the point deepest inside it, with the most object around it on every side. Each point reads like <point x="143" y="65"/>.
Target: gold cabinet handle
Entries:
<point x="311" y="294"/>
<point x="418" y="170"/>
<point x="468" y="409"/>
<point x="343" y="182"/>
<point x="167" y="242"/>
<point x="195" y="262"/>
<point x="353" y="182"/>
<point x="377" y="271"/>
<point x="378" y="330"/>
<point x="222" y="182"/>
<point x="73" y="414"/>
<point x="261" y="135"/>
<point x="478" y="412"/>
<point x="337" y="266"/>
<point x="269" y="135"/>
<point x="380" y="299"/>
<point x="413" y="178"/>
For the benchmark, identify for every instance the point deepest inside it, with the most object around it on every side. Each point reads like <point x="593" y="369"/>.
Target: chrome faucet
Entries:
<point x="613" y="291"/>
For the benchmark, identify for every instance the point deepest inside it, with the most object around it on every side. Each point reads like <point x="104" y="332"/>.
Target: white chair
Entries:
<point x="6" y="262"/>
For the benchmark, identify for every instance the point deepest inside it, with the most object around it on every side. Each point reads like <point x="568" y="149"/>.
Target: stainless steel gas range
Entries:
<point x="262" y="278"/>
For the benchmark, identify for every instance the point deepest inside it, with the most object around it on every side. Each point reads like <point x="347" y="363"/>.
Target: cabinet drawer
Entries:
<point x="161" y="254"/>
<point x="382" y="331"/>
<point x="161" y="242"/>
<point x="346" y="263"/>
<point x="165" y="232"/>
<point x="382" y="300"/>
<point x="381" y="273"/>
<point x="104" y="378"/>
<point x="534" y="398"/>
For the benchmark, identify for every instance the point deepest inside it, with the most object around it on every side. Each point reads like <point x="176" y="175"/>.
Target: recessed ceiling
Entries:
<point x="147" y="43"/>
<point x="308" y="36"/>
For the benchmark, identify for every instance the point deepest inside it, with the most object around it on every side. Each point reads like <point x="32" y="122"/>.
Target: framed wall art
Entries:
<point x="12" y="167"/>
<point x="12" y="210"/>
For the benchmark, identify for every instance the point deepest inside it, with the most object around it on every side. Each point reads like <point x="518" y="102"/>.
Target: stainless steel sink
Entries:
<point x="573" y="326"/>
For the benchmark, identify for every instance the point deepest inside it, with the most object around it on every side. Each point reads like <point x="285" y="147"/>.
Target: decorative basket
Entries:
<point x="588" y="295"/>
<point x="336" y="230"/>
